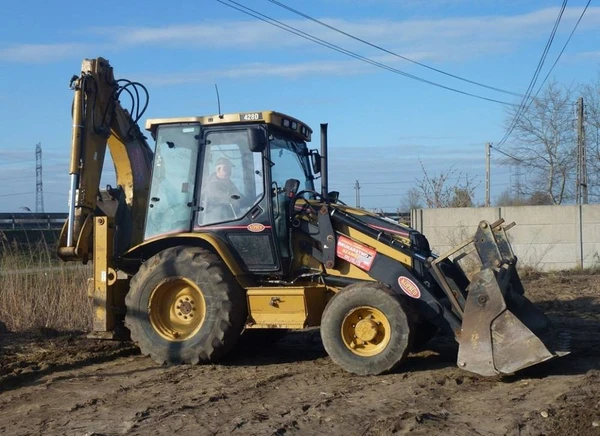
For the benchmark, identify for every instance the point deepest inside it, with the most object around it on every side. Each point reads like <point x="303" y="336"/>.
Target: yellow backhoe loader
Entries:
<point x="219" y="229"/>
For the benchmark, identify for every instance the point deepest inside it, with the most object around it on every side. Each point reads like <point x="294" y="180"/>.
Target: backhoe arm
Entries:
<point x="99" y="121"/>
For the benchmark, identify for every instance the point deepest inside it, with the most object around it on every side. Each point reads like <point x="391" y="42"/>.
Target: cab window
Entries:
<point x="290" y="161"/>
<point x="173" y="179"/>
<point x="232" y="177"/>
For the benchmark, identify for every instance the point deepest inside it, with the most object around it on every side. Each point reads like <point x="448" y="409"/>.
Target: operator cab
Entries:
<point x="232" y="176"/>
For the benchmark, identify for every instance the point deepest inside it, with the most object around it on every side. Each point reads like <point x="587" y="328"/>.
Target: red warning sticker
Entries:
<point x="409" y="287"/>
<point x="355" y="253"/>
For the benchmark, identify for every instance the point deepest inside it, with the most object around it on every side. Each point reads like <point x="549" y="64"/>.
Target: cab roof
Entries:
<point x="283" y="121"/>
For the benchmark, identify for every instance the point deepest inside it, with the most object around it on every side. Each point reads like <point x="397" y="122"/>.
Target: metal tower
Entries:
<point x="39" y="189"/>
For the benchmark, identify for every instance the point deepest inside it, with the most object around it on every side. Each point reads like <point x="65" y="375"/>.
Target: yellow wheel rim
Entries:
<point x="366" y="331"/>
<point x="177" y="309"/>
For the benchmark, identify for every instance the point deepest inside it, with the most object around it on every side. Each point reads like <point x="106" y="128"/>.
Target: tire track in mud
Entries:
<point x="135" y="396"/>
<point x="54" y="403"/>
<point x="139" y="391"/>
<point x="293" y="388"/>
<point x="225" y="404"/>
<point x="305" y="397"/>
<point x="39" y="355"/>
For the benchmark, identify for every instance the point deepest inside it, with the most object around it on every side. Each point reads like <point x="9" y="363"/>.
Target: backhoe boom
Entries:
<point x="100" y="120"/>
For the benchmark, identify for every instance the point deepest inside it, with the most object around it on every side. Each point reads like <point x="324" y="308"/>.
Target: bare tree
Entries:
<point x="412" y="200"/>
<point x="507" y="198"/>
<point x="536" y="198"/>
<point x="545" y="143"/>
<point x="462" y="198"/>
<point x="540" y="198"/>
<point x="449" y="188"/>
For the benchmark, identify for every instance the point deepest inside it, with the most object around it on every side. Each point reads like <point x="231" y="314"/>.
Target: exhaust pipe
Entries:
<point x="324" y="175"/>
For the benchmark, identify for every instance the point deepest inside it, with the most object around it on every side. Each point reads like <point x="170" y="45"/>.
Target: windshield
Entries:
<point x="289" y="159"/>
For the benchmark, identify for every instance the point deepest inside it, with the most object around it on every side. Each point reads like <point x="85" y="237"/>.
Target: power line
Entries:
<point x="398" y="194"/>
<point x="253" y="13"/>
<point x="524" y="105"/>
<point x="564" y="47"/>
<point x="389" y="183"/>
<point x="548" y="74"/>
<point x="437" y="70"/>
<point x="507" y="155"/>
<point x="397" y="182"/>
<point x="16" y="193"/>
<point x="10" y="179"/>
<point x="15" y="162"/>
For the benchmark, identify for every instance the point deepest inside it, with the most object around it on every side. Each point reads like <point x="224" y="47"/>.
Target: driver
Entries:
<point x="220" y="190"/>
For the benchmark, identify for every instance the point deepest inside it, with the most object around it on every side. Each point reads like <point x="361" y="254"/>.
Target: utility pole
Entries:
<point x="518" y="188"/>
<point x="582" y="186"/>
<point x="488" y="147"/>
<point x="357" y="189"/>
<point x="39" y="189"/>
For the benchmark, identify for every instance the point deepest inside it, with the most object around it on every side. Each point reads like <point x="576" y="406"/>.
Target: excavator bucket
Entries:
<point x="502" y="331"/>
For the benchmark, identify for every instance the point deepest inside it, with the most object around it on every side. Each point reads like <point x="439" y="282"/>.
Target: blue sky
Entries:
<point x="381" y="124"/>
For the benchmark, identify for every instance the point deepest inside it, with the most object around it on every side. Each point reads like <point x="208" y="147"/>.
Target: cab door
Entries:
<point x="232" y="205"/>
<point x="287" y="162"/>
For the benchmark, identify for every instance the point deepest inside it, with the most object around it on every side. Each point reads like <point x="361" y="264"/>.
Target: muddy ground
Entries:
<point x="52" y="383"/>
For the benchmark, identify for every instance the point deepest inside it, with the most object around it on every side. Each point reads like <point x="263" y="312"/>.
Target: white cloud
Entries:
<point x="256" y="70"/>
<point x="417" y="34"/>
<point x="425" y="40"/>
<point x="433" y="4"/>
<point x="347" y="67"/>
<point x="430" y="41"/>
<point x="589" y="54"/>
<point x="42" y="53"/>
<point x="415" y="151"/>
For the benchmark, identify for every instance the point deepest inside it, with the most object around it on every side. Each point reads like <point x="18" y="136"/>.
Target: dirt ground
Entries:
<point x="53" y="383"/>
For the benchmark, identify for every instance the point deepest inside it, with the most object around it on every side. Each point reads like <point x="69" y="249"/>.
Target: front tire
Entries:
<point x="366" y="329"/>
<point x="185" y="306"/>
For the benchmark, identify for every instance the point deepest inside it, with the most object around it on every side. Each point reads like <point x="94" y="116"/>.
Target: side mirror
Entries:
<point x="315" y="160"/>
<point x="333" y="196"/>
<point x="257" y="140"/>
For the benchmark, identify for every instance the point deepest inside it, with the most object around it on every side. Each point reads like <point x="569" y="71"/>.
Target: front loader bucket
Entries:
<point x="502" y="331"/>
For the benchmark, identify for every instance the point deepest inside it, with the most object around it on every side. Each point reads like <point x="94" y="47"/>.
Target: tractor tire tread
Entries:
<point x="230" y="305"/>
<point x="376" y="295"/>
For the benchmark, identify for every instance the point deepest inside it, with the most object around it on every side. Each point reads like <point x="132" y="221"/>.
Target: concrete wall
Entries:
<point x="545" y="237"/>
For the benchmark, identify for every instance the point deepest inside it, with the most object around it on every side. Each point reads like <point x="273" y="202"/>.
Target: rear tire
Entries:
<point x="185" y="306"/>
<point x="366" y="329"/>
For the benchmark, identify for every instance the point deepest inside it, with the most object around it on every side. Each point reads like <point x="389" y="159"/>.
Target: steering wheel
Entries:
<point x="305" y="206"/>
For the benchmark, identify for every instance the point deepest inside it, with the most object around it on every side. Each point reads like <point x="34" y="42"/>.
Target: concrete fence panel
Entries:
<point x="590" y="235"/>
<point x="545" y="237"/>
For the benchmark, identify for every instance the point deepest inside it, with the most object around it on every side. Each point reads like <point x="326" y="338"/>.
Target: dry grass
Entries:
<point x="39" y="290"/>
